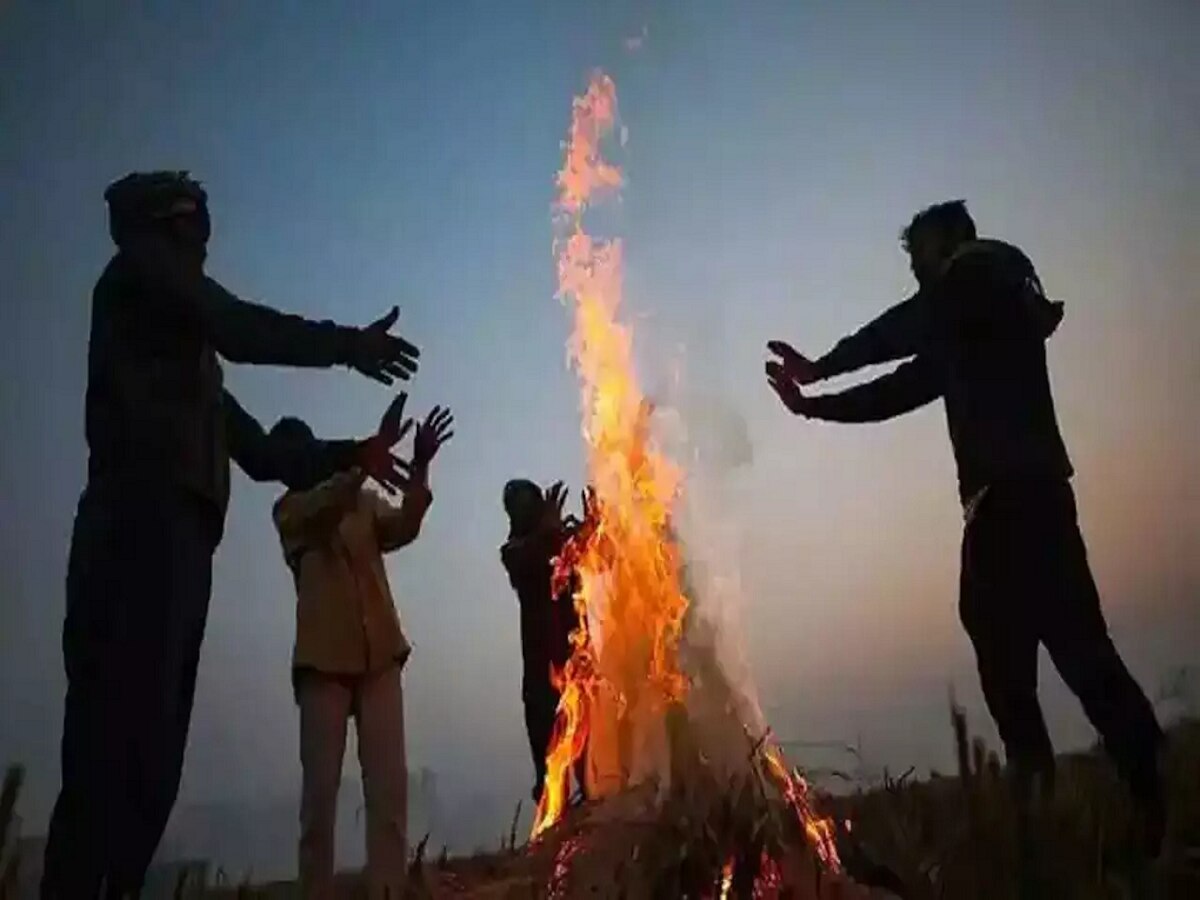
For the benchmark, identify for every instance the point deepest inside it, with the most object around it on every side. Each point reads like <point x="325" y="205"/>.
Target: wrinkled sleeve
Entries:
<point x="301" y="516"/>
<point x="240" y="331"/>
<point x="299" y="463"/>
<point x="896" y="334"/>
<point x="397" y="526"/>
<point x="913" y="384"/>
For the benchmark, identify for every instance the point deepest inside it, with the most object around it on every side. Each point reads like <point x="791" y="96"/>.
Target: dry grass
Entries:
<point x="955" y="837"/>
<point x="946" y="837"/>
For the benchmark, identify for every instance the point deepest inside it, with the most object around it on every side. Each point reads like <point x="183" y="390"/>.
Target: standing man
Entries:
<point x="976" y="332"/>
<point x="536" y="535"/>
<point x="350" y="650"/>
<point x="161" y="430"/>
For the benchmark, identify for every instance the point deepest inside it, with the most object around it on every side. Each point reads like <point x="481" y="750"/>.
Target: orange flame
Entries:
<point x="820" y="832"/>
<point x="625" y="560"/>
<point x="629" y="596"/>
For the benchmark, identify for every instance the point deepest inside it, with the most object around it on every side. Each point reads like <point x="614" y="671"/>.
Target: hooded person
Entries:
<point x="161" y="431"/>
<point x="537" y="534"/>
<point x="975" y="336"/>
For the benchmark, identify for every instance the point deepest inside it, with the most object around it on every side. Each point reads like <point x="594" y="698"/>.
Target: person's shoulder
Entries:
<point x="991" y="254"/>
<point x="113" y="278"/>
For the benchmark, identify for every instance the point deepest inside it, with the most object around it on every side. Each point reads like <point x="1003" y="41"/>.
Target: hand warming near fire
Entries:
<point x="162" y="430"/>
<point x="538" y="530"/>
<point x="975" y="335"/>
<point x="350" y="644"/>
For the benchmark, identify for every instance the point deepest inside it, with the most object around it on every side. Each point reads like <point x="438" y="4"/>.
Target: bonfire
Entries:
<point x="688" y="792"/>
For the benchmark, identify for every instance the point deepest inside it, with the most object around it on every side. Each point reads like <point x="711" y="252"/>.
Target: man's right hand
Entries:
<point x="795" y="364"/>
<point x="787" y="388"/>
<point x="380" y="355"/>
<point x="375" y="456"/>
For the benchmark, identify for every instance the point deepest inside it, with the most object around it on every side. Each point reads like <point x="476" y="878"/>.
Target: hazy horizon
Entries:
<point x="406" y="155"/>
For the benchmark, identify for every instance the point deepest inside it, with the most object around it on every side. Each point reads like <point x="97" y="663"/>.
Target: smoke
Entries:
<point x="709" y="436"/>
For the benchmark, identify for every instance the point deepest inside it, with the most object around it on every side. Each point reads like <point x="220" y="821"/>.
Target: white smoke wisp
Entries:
<point x="709" y="437"/>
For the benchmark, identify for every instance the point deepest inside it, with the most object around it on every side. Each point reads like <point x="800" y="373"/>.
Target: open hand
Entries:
<point x="556" y="498"/>
<point x="786" y="387"/>
<point x="375" y="454"/>
<point x="376" y="353"/>
<point x="431" y="434"/>
<point x="591" y="505"/>
<point x="799" y="367"/>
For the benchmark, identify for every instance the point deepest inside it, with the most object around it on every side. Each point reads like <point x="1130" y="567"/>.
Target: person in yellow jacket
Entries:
<point x="350" y="650"/>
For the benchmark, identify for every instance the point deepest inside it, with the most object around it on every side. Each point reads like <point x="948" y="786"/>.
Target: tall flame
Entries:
<point x="627" y="565"/>
<point x="624" y="673"/>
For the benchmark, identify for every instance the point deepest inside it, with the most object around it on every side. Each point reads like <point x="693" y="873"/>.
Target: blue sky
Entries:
<point x="405" y="153"/>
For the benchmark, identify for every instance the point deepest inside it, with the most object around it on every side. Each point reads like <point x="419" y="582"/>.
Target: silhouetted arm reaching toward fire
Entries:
<point x="896" y="334"/>
<point x="911" y="386"/>
<point x="166" y="275"/>
<point x="300" y="461"/>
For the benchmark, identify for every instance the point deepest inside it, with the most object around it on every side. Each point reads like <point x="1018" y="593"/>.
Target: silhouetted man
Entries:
<point x="537" y="533"/>
<point x="976" y="332"/>
<point x="161" y="430"/>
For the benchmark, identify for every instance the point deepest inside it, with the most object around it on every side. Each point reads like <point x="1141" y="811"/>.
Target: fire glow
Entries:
<point x="627" y="565"/>
<point x="624" y="676"/>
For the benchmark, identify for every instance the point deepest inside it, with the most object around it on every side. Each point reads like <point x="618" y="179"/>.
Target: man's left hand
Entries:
<point x="431" y="434"/>
<point x="375" y="453"/>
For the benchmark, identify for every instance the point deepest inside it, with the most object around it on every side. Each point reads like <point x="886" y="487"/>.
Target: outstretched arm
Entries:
<point x="246" y="332"/>
<point x="296" y="461"/>
<point x="911" y="386"/>
<point x="895" y="334"/>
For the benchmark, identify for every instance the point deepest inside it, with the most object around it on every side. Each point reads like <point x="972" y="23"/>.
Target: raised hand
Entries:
<point x="798" y="366"/>
<point x="591" y="506"/>
<point x="378" y="354"/>
<point x="375" y="456"/>
<point x="786" y="387"/>
<point x="556" y="498"/>
<point x="431" y="434"/>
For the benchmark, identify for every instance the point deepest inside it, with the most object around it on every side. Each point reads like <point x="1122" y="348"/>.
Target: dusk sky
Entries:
<point x="405" y="153"/>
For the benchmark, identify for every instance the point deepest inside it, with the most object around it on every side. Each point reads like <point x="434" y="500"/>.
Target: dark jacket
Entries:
<point x="977" y="339"/>
<point x="156" y="409"/>
<point x="546" y="621"/>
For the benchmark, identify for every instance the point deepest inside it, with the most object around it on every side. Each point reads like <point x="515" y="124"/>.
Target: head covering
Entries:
<point x="521" y="493"/>
<point x="141" y="199"/>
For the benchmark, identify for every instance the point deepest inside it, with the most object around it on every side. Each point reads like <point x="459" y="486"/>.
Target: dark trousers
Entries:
<point x="138" y="582"/>
<point x="1025" y="582"/>
<point x="541" y="709"/>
